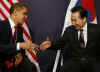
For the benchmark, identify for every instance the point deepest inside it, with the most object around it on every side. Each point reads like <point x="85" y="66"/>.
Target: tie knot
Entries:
<point x="81" y="30"/>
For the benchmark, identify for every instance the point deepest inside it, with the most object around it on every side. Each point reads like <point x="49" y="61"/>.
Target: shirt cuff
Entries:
<point x="18" y="46"/>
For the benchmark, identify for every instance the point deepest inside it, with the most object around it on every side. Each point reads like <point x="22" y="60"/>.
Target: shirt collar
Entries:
<point x="12" y="24"/>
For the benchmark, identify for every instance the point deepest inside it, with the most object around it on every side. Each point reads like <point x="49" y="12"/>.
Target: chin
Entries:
<point x="78" y="28"/>
<point x="20" y="23"/>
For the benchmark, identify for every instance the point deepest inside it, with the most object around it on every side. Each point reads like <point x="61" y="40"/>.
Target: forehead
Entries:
<point x="23" y="9"/>
<point x="75" y="15"/>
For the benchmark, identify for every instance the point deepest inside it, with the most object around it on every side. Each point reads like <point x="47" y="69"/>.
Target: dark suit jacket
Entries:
<point x="7" y="47"/>
<point x="69" y="43"/>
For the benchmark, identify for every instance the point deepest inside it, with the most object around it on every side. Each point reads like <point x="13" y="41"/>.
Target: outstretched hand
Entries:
<point x="46" y="44"/>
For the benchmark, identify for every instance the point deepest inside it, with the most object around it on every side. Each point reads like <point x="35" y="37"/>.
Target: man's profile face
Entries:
<point x="21" y="15"/>
<point x="77" y="21"/>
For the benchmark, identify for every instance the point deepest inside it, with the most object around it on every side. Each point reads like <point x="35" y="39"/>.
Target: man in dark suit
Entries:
<point x="12" y="48"/>
<point x="79" y="44"/>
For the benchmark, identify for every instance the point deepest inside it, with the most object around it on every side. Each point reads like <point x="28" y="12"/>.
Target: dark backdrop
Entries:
<point x="46" y="18"/>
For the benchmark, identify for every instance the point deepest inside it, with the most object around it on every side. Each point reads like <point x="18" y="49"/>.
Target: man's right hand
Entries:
<point x="46" y="44"/>
<point x="27" y="45"/>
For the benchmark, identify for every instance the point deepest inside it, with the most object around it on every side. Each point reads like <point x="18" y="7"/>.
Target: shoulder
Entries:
<point x="4" y="21"/>
<point x="3" y="24"/>
<point x="94" y="26"/>
<point x="70" y="28"/>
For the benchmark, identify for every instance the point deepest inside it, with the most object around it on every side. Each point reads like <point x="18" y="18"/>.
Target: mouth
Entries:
<point x="77" y="26"/>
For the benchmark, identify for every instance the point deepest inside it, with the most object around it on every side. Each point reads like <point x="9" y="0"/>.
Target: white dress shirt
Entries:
<point x="84" y="33"/>
<point x="12" y="24"/>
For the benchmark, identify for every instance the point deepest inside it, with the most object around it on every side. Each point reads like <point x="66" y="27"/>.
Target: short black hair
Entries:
<point x="83" y="12"/>
<point x="17" y="6"/>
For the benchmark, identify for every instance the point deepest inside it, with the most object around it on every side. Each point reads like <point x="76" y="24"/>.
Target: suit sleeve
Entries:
<point x="8" y="49"/>
<point x="62" y="42"/>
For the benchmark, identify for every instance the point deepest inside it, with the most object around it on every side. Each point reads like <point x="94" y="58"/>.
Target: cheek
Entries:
<point x="21" y="17"/>
<point x="73" y="22"/>
<point x="79" y="22"/>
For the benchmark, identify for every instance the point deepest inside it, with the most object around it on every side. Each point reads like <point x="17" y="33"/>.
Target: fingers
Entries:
<point x="45" y="45"/>
<point x="32" y="46"/>
<point x="29" y="45"/>
<point x="18" y="58"/>
<point x="35" y="47"/>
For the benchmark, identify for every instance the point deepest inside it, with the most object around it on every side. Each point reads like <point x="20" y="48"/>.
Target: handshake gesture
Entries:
<point x="28" y="46"/>
<point x="32" y="46"/>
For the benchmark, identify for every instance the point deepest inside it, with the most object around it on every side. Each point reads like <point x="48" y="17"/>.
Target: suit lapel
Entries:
<point x="9" y="30"/>
<point x="74" y="37"/>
